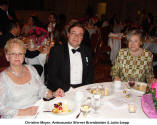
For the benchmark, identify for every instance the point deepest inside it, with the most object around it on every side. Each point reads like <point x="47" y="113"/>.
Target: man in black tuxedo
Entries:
<point x="70" y="64"/>
<point x="14" y="31"/>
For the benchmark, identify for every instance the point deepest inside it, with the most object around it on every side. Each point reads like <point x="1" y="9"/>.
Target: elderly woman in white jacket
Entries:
<point x="20" y="85"/>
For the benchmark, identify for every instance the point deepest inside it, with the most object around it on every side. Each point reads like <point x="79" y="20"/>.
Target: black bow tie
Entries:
<point x="76" y="50"/>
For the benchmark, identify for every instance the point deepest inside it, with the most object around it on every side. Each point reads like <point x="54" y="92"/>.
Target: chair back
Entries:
<point x="94" y="41"/>
<point x="104" y="34"/>
<point x="3" y="60"/>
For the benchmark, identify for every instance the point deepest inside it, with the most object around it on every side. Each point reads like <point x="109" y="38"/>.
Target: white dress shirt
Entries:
<point x="75" y="66"/>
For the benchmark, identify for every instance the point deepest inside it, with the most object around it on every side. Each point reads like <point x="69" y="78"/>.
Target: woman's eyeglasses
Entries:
<point x="16" y="54"/>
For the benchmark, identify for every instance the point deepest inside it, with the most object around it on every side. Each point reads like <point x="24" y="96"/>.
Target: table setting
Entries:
<point x="100" y="100"/>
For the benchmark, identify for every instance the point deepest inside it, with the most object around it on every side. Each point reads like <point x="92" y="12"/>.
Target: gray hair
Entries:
<point x="132" y="33"/>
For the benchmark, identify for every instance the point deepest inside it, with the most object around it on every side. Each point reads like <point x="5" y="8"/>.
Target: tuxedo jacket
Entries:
<point x="4" y="38"/>
<point x="4" y="21"/>
<point x="59" y="67"/>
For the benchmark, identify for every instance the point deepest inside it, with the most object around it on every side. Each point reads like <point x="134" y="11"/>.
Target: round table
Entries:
<point x="113" y="106"/>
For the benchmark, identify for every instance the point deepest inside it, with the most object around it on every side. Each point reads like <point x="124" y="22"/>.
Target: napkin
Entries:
<point x="117" y="102"/>
<point x="40" y="105"/>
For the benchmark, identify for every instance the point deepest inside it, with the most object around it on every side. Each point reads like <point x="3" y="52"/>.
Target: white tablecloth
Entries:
<point x="110" y="107"/>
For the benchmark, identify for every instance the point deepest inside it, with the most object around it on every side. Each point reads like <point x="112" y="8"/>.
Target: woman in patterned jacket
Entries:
<point x="134" y="62"/>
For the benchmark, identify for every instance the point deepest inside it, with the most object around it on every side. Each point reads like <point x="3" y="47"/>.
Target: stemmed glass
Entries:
<point x="102" y="89"/>
<point x="126" y="92"/>
<point x="131" y="82"/>
<point x="86" y="106"/>
<point x="96" y="100"/>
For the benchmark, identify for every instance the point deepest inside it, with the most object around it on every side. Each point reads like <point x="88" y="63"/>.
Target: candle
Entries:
<point x="106" y="91"/>
<point x="132" y="108"/>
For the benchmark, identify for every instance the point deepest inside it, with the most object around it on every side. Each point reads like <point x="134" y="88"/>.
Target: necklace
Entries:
<point x="137" y="53"/>
<point x="17" y="74"/>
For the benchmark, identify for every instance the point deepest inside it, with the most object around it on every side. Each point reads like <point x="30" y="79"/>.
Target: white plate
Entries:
<point x="72" y="106"/>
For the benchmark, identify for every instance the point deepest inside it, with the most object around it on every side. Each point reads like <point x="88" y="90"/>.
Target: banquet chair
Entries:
<point x="3" y="60"/>
<point x="123" y="42"/>
<point x="103" y="53"/>
<point x="2" y="68"/>
<point x="94" y="42"/>
<point x="102" y="73"/>
<point x="114" y="42"/>
<point x="104" y="34"/>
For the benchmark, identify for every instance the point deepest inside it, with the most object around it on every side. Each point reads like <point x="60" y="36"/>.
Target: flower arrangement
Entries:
<point x="154" y="94"/>
<point x="38" y="34"/>
<point x="149" y="102"/>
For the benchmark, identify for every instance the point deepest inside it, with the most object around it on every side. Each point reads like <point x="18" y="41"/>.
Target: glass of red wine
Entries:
<point x="131" y="82"/>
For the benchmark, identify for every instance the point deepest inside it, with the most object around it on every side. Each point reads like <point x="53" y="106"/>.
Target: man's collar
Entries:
<point x="70" y="47"/>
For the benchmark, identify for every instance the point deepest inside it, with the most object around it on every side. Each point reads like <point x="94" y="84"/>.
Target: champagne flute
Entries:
<point x="86" y="106"/>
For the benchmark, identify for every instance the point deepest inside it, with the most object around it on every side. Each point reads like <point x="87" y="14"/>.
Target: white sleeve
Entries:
<point x="5" y="111"/>
<point x="43" y="89"/>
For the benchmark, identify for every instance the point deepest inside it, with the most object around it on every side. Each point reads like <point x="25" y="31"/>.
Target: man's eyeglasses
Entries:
<point x="77" y="35"/>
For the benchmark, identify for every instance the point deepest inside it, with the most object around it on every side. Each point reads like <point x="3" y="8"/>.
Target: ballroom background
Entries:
<point x="79" y="8"/>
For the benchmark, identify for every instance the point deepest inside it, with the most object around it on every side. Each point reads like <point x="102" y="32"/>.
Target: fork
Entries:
<point x="78" y="114"/>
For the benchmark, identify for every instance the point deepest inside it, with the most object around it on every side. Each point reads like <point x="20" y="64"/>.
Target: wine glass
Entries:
<point x="131" y="82"/>
<point x="86" y="106"/>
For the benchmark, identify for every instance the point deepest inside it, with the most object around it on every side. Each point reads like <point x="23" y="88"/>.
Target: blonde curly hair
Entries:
<point x="17" y="41"/>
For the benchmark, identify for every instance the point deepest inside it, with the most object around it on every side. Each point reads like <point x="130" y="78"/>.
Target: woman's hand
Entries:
<point x="59" y="93"/>
<point x="149" y="86"/>
<point x="28" y="111"/>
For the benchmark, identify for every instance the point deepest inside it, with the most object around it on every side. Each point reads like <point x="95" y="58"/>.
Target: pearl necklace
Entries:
<point x="17" y="74"/>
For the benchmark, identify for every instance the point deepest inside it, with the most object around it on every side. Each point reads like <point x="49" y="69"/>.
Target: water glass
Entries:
<point x="106" y="91"/>
<point x="117" y="85"/>
<point x="79" y="96"/>
<point x="96" y="102"/>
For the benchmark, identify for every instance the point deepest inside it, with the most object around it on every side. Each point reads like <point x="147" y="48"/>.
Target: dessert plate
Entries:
<point x="71" y="107"/>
